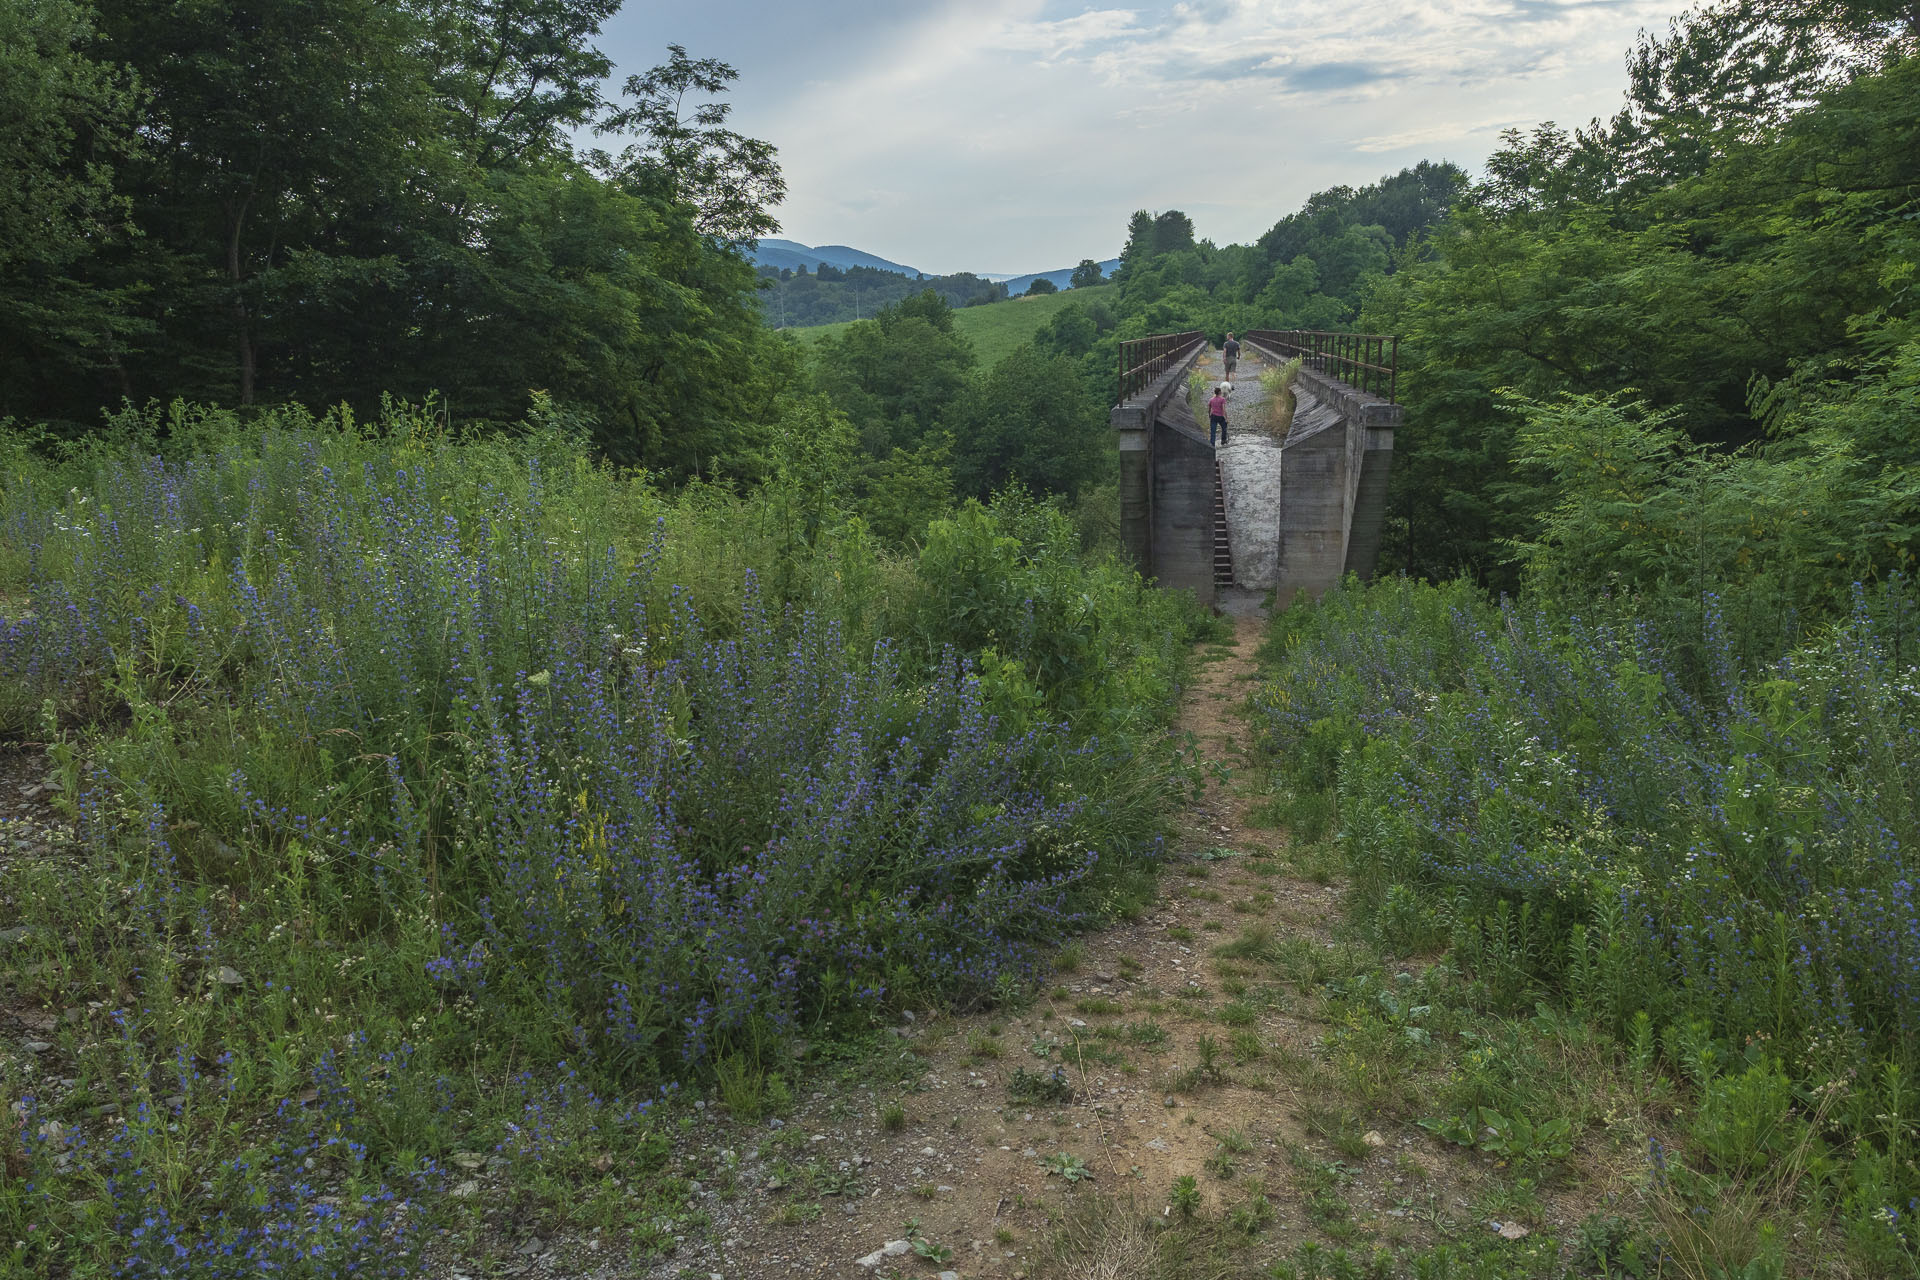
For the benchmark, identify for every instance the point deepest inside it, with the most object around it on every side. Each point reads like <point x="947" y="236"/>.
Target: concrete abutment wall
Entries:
<point x="1166" y="483"/>
<point x="1332" y="467"/>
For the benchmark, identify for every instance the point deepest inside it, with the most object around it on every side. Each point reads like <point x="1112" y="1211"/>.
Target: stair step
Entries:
<point x="1222" y="544"/>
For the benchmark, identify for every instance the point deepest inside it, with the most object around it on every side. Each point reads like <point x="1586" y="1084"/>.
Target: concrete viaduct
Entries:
<point x="1286" y="515"/>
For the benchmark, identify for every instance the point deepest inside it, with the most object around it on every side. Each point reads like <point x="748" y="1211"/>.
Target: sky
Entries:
<point x="1018" y="135"/>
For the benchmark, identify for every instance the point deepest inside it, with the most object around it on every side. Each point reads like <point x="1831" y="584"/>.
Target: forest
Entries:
<point x="798" y="297"/>
<point x="483" y="695"/>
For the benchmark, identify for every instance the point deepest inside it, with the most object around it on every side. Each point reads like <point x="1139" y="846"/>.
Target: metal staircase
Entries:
<point x="1222" y="549"/>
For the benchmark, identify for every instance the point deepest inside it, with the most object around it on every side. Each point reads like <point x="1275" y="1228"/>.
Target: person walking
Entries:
<point x="1217" y="416"/>
<point x="1230" y="355"/>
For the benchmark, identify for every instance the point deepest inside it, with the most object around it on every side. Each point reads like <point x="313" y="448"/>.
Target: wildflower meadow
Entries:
<point x="437" y="799"/>
<point x="1709" y="856"/>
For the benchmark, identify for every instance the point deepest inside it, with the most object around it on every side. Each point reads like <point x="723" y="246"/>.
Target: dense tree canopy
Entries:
<point x="263" y="201"/>
<point x="254" y="201"/>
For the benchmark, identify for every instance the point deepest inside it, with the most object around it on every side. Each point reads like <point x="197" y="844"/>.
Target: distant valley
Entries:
<point x="856" y="283"/>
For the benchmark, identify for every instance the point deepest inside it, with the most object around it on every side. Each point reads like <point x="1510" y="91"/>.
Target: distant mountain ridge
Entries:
<point x="791" y="254"/>
<point x="1017" y="285"/>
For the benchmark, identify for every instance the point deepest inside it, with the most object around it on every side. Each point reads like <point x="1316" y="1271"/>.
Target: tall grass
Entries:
<point x="1200" y="387"/>
<point x="1278" y="384"/>
<point x="401" y="766"/>
<point x="1663" y="837"/>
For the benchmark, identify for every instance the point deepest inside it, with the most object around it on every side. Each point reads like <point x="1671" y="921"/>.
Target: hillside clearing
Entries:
<point x="996" y="328"/>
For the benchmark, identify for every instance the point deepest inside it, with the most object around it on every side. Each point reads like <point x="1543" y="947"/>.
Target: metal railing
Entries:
<point x="1144" y="359"/>
<point x="1369" y="361"/>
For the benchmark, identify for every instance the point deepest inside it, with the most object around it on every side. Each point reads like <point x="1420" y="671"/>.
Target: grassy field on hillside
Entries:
<point x="995" y="329"/>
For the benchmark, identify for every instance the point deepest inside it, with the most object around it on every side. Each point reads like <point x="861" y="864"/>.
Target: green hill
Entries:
<point x="996" y="328"/>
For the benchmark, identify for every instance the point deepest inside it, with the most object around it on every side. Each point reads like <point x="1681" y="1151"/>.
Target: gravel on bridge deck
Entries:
<point x="1250" y="465"/>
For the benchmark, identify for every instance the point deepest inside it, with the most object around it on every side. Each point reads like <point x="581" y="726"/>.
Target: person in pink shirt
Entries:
<point x="1217" y="416"/>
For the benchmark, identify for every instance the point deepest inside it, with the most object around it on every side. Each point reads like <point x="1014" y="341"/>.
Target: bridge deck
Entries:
<point x="1250" y="469"/>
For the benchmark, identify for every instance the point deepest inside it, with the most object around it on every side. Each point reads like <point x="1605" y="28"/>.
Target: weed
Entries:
<point x="1210" y="1065"/>
<point x="1220" y="1164"/>
<point x="1252" y="1217"/>
<point x="795" y="1213"/>
<point x="1038" y="1086"/>
<point x="1511" y="1137"/>
<point x="1238" y="1014"/>
<point x="983" y="1046"/>
<point x="1186" y="1196"/>
<point x="934" y="1253"/>
<point x="1069" y="1167"/>
<point x="893" y="1117"/>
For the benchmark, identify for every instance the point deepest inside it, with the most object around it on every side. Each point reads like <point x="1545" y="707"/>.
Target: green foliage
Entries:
<point x="1039" y="1086"/>
<point x="1509" y="1137"/>
<point x="1086" y="275"/>
<point x="69" y="120"/>
<point x="1071" y="1168"/>
<point x="1533" y="788"/>
<point x="685" y="153"/>
<point x="277" y="955"/>
<point x="1033" y="420"/>
<point x="1785" y="530"/>
<point x="1185" y="1195"/>
<point x="896" y="376"/>
<point x="1740" y="277"/>
<point x="1001" y="580"/>
<point x="335" y="200"/>
<point x="814" y="305"/>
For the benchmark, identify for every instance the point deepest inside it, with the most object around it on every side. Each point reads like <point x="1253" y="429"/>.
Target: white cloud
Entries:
<point x="1434" y="135"/>
<point x="1014" y="135"/>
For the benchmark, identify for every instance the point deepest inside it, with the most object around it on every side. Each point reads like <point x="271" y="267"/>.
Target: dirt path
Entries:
<point x="1169" y="1068"/>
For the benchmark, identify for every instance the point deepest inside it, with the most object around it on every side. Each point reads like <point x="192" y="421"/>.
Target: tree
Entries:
<point x="1735" y="71"/>
<point x="1040" y="286"/>
<point x="926" y="305"/>
<point x="896" y="377"/>
<point x="290" y="145"/>
<point x="518" y="74"/>
<point x="687" y="154"/>
<point x="1034" y="419"/>
<point x="69" y="121"/>
<point x="1139" y="245"/>
<point x="1071" y="332"/>
<point x="1172" y="232"/>
<point x="1085" y="275"/>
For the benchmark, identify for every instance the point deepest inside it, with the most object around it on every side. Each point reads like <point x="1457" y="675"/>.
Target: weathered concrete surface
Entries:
<point x="1182" y="502"/>
<point x="1165" y="528"/>
<point x="1333" y="491"/>
<point x="1333" y="483"/>
<point x="1250" y="467"/>
<point x="1301" y="513"/>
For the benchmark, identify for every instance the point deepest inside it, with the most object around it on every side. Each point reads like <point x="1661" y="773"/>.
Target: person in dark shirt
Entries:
<point x="1217" y="417"/>
<point x="1230" y="353"/>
